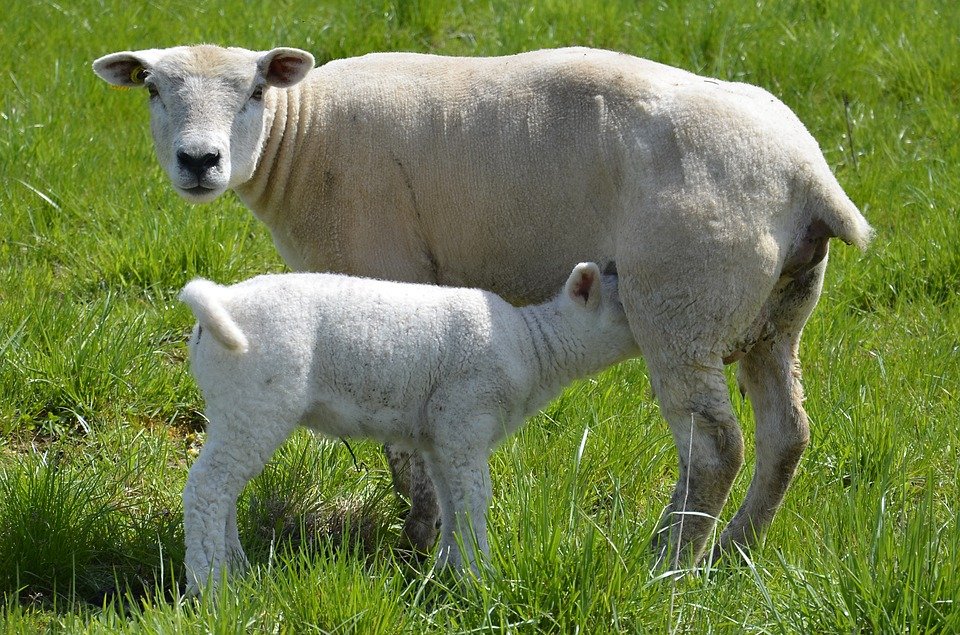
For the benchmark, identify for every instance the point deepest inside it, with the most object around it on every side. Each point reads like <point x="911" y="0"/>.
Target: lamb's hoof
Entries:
<point x="191" y="591"/>
<point x="419" y="536"/>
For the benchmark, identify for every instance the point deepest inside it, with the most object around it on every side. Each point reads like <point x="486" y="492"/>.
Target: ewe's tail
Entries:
<point x="205" y="300"/>
<point x="829" y="203"/>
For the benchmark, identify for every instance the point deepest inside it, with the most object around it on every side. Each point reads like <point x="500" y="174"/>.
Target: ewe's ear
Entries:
<point x="127" y="68"/>
<point x="285" y="67"/>
<point x="583" y="285"/>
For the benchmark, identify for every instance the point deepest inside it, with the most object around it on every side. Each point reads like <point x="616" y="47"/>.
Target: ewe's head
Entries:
<point x="206" y="108"/>
<point x="592" y="303"/>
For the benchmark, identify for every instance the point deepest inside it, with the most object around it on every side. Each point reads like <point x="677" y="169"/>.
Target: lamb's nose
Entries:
<point x="198" y="164"/>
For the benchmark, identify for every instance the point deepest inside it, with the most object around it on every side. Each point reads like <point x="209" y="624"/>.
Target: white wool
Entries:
<point x="204" y="299"/>
<point x="443" y="370"/>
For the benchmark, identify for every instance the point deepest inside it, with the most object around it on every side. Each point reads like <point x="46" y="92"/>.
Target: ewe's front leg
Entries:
<point x="696" y="404"/>
<point x="411" y="479"/>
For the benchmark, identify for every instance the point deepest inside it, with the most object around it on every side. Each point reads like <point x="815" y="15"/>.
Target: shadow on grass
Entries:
<point x="76" y="536"/>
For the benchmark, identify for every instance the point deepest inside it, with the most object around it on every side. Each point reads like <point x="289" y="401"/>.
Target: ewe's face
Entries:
<point x="206" y="108"/>
<point x="206" y="120"/>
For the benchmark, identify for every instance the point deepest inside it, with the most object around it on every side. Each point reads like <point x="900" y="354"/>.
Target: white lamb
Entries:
<point x="447" y="371"/>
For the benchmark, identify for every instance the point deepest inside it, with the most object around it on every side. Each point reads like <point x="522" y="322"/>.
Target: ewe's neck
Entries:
<point x="263" y="192"/>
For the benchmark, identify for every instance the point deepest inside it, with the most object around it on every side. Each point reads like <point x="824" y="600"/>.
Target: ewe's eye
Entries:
<point x="257" y="94"/>
<point x="138" y="74"/>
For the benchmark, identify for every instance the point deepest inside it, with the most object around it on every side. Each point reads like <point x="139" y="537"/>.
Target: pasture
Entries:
<point x="100" y="419"/>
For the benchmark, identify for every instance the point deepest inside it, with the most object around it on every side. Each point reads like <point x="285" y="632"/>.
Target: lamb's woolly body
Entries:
<point x="446" y="371"/>
<point x="711" y="197"/>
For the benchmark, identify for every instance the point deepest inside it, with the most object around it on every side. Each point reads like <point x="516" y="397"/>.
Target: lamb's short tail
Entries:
<point x="205" y="300"/>
<point x="828" y="203"/>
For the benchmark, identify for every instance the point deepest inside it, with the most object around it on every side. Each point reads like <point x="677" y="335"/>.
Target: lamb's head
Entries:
<point x="206" y="108"/>
<point x="591" y="304"/>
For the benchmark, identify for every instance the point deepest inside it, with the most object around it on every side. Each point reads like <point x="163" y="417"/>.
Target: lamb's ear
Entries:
<point x="583" y="285"/>
<point x="127" y="68"/>
<point x="284" y="67"/>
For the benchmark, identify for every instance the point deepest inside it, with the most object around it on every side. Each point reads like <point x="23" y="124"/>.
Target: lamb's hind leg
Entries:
<point x="770" y="375"/>
<point x="209" y="517"/>
<point x="213" y="486"/>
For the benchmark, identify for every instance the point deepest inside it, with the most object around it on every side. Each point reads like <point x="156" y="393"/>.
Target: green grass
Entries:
<point x="99" y="419"/>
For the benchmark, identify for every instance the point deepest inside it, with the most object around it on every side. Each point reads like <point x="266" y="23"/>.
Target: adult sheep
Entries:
<point x="711" y="197"/>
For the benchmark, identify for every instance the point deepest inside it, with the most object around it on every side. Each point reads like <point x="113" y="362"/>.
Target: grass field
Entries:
<point x="99" y="418"/>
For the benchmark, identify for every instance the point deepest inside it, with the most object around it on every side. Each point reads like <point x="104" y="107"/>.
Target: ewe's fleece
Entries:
<point x="711" y="197"/>
<point x="447" y="371"/>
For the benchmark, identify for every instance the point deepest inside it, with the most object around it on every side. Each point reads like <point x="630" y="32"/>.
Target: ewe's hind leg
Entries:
<point x="675" y="318"/>
<point x="410" y="478"/>
<point x="770" y="375"/>
<point x="696" y="403"/>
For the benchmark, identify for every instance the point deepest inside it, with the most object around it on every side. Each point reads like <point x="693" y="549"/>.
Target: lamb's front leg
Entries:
<point x="462" y="480"/>
<point x="410" y="479"/>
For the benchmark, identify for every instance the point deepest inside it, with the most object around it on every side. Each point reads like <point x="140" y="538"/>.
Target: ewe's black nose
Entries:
<point x="198" y="164"/>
